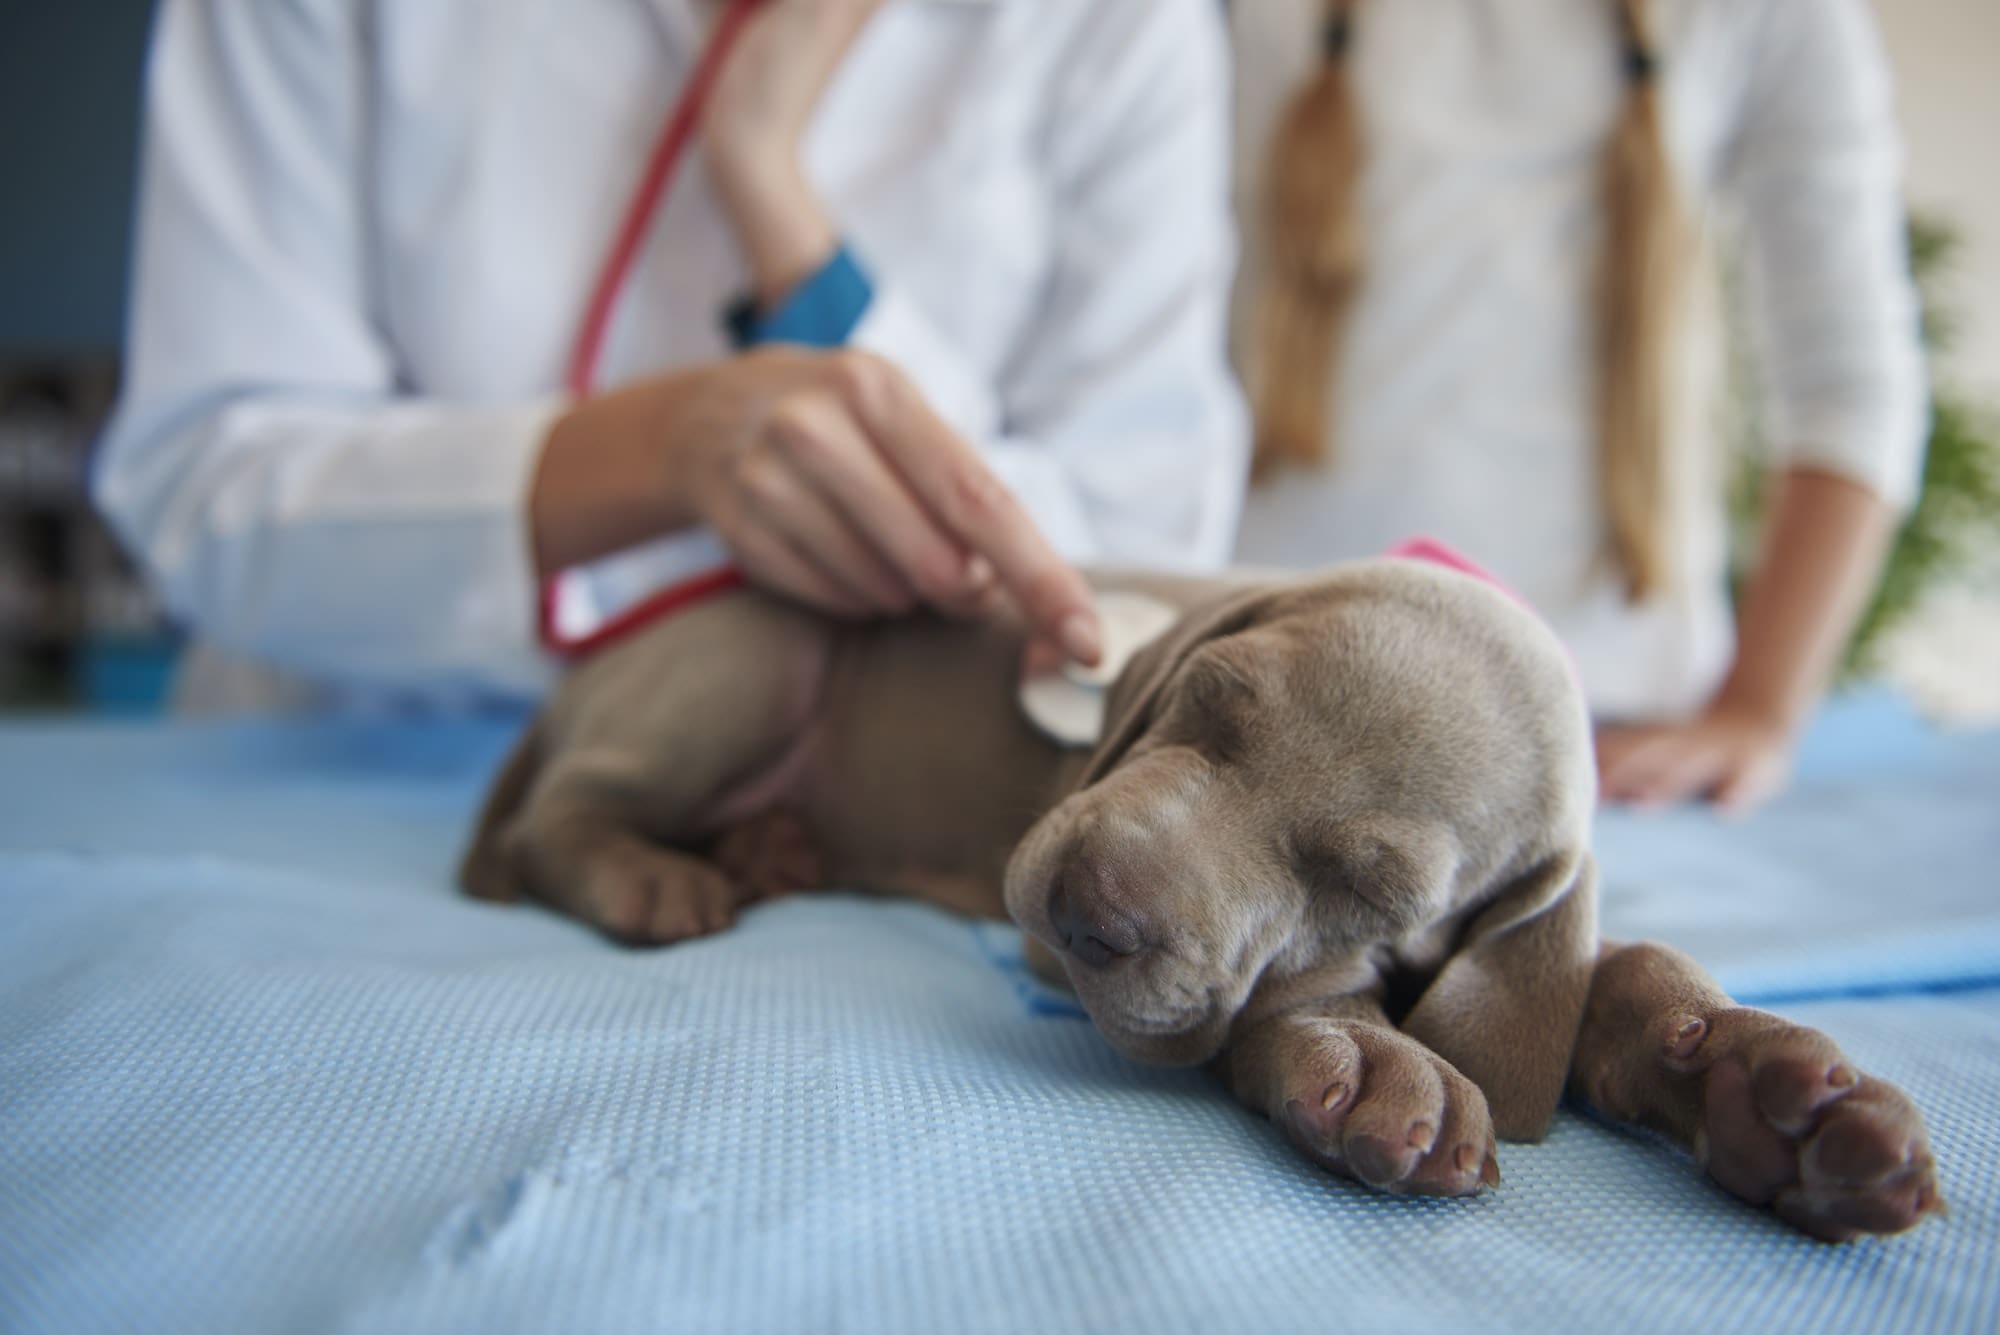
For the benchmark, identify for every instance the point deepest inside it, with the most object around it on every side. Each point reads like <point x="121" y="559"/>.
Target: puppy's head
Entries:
<point x="1305" y="787"/>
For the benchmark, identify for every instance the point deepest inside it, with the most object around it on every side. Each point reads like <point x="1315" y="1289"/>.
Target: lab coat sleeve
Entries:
<point x="1816" y="172"/>
<point x="289" y="499"/>
<point x="1119" y="425"/>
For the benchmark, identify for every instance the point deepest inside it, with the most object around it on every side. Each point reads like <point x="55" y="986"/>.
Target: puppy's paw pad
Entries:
<point x="1323" y="1071"/>
<point x="1853" y="1147"/>
<point x="1460" y="1171"/>
<point x="1314" y="1122"/>
<point x="1368" y="1103"/>
<point x="1899" y="1199"/>
<point x="1381" y="1162"/>
<point x="1788" y="1121"/>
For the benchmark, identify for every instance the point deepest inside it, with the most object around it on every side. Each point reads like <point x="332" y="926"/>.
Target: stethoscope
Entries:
<point x="581" y="376"/>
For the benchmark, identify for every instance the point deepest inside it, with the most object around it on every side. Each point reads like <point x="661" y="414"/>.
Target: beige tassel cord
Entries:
<point x="1317" y="254"/>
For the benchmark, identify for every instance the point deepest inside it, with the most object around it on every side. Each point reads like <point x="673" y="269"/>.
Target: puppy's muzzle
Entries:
<point x="1088" y="926"/>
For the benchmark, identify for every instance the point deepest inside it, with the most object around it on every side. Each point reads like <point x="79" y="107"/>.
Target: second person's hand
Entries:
<point x="1736" y="758"/>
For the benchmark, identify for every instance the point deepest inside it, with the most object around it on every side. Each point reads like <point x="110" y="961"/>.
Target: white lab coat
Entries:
<point x="1464" y="395"/>
<point x="366" y="233"/>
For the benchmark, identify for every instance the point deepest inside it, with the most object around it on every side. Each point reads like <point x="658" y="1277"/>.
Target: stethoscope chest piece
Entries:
<point x="1067" y="705"/>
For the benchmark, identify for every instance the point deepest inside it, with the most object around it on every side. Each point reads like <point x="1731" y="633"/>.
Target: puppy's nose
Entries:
<point x="1086" y="929"/>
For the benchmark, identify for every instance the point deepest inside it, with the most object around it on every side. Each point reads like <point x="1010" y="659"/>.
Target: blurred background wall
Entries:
<point x="75" y="626"/>
<point x="1948" y="86"/>
<point x="69" y="105"/>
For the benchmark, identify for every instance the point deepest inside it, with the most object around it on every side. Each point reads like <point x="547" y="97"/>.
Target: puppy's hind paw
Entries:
<point x="644" y="896"/>
<point x="769" y="855"/>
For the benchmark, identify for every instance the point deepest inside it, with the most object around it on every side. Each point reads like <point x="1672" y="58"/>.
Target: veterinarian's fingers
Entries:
<point x="1040" y="657"/>
<point x="984" y="597"/>
<point x="825" y="441"/>
<point x="972" y="505"/>
<point x="794" y="506"/>
<point x="769" y="556"/>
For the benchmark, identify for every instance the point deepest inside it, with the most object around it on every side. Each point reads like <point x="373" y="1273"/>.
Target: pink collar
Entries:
<point x="1437" y="553"/>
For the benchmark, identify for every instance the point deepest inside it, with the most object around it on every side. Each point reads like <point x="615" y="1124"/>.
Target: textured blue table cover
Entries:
<point x="262" y="1070"/>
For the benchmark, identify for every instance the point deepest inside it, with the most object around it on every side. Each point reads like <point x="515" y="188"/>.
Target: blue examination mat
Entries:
<point x="262" y="1069"/>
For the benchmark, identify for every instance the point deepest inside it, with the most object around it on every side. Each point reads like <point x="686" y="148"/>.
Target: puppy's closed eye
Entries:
<point x="1356" y="872"/>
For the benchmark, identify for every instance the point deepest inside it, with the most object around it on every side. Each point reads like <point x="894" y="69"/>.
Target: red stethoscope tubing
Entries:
<point x="668" y="150"/>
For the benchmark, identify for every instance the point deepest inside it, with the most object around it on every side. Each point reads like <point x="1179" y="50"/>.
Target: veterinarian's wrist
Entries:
<point x="615" y="470"/>
<point x="767" y="91"/>
<point x="780" y="223"/>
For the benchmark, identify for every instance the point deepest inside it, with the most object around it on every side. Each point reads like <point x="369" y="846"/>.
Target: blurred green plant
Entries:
<point x="1959" y="505"/>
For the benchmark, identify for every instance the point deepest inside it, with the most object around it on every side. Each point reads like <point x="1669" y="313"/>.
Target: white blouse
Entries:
<point x="366" y="233"/>
<point x="1463" y="403"/>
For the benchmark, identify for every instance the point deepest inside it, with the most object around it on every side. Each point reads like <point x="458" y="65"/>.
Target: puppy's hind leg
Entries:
<point x="485" y="871"/>
<point x="1772" y="1110"/>
<point x="654" y="748"/>
<point x="580" y="852"/>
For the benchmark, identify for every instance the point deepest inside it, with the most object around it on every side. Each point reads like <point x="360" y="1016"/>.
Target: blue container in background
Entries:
<point x="129" y="677"/>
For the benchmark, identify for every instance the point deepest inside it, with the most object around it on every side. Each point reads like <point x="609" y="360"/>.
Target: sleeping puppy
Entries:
<point x="1333" y="844"/>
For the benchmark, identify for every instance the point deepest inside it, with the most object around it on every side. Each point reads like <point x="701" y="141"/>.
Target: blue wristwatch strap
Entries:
<point x="820" y="312"/>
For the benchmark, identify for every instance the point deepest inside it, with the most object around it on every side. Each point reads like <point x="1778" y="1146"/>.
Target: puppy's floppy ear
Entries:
<point x="1506" y="1008"/>
<point x="1128" y="709"/>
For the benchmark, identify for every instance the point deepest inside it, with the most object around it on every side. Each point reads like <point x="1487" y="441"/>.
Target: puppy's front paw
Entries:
<point x="1788" y="1122"/>
<point x="1375" y="1105"/>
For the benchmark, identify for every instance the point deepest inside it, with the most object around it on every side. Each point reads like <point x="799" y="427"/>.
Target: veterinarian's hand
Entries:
<point x="1736" y="757"/>
<point x="757" y="113"/>
<point x="826" y="475"/>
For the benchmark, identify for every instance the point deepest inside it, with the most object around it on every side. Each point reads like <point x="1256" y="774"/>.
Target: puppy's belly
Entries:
<point x="777" y="786"/>
<point x="914" y="772"/>
<point x="941" y="851"/>
<point x="783" y="786"/>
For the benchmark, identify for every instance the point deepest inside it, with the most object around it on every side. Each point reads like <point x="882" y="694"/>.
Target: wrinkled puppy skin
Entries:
<point x="1333" y="844"/>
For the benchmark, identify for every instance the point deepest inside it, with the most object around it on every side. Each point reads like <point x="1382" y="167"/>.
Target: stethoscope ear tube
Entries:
<point x="683" y="117"/>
